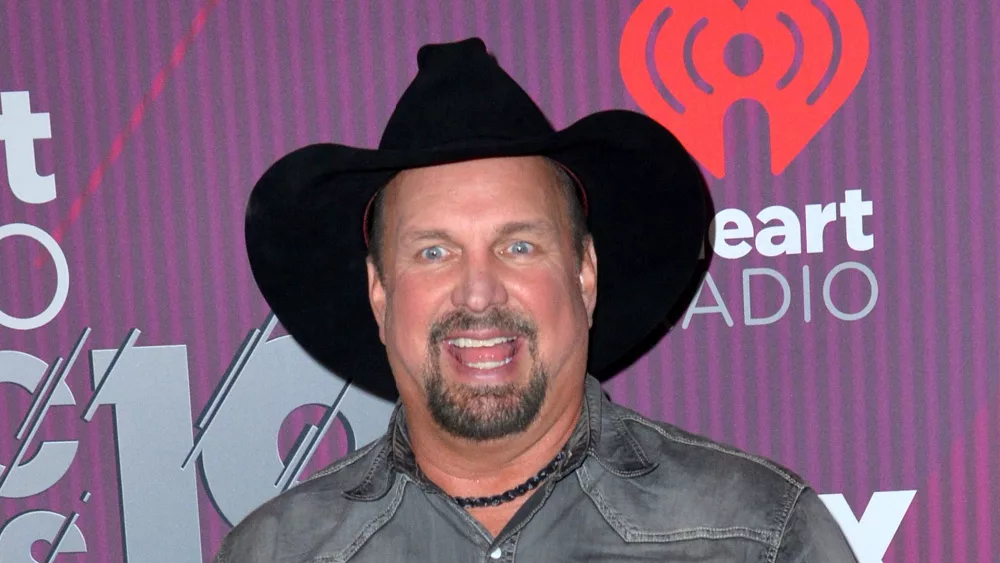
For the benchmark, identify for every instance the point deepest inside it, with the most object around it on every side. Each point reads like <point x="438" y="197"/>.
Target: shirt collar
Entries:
<point x="598" y="434"/>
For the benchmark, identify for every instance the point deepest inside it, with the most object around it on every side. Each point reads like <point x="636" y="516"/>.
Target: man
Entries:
<point x="476" y="232"/>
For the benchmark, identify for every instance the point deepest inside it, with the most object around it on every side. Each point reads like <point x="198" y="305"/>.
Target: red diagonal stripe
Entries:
<point x="135" y="119"/>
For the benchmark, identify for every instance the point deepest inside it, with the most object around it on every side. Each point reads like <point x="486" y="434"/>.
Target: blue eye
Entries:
<point x="521" y="247"/>
<point x="432" y="253"/>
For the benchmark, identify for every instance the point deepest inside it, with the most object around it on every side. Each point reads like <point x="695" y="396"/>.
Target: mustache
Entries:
<point x="500" y="319"/>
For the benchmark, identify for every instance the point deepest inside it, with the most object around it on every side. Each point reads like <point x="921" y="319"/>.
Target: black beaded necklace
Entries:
<point x="511" y="494"/>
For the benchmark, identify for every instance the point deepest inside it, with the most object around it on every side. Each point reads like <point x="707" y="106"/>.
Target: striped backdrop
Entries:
<point x="163" y="115"/>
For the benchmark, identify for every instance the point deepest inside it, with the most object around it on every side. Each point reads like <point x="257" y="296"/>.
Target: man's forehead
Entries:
<point x="510" y="183"/>
<point x="536" y="169"/>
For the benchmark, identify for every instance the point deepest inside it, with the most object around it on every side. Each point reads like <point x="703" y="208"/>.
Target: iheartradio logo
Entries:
<point x="814" y="53"/>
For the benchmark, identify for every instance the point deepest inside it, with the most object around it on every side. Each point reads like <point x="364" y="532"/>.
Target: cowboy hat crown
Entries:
<point x="474" y="99"/>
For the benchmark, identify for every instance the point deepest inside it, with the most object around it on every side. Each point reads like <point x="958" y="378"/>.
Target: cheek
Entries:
<point x="554" y="299"/>
<point x="412" y="306"/>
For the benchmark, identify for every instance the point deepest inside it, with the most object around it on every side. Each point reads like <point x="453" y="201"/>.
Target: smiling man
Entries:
<point x="475" y="230"/>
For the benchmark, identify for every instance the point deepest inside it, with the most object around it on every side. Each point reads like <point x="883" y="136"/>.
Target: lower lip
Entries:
<point x="500" y="374"/>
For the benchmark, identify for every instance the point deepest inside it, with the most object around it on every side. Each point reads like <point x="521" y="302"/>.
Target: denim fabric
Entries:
<point x="631" y="490"/>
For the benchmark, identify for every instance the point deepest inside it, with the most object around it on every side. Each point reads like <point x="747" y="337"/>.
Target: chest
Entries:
<point x="560" y="530"/>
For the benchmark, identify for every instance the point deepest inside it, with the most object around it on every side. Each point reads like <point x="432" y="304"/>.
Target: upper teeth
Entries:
<point x="476" y="343"/>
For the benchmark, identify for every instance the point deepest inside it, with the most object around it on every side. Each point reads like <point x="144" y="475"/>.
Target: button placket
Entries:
<point x="503" y="553"/>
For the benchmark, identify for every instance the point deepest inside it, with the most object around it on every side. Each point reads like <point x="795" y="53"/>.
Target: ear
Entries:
<point x="588" y="278"/>
<point x="376" y="297"/>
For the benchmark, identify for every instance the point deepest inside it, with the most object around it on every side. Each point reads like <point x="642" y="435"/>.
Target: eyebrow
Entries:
<point x="508" y="229"/>
<point x="538" y="227"/>
<point x="429" y="234"/>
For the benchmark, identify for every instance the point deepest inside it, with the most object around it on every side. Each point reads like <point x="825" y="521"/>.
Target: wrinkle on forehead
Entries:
<point x="404" y="194"/>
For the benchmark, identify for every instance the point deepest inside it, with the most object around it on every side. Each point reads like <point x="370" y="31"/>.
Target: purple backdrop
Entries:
<point x="878" y="378"/>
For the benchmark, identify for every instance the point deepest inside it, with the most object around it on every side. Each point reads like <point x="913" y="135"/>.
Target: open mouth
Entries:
<point x="484" y="353"/>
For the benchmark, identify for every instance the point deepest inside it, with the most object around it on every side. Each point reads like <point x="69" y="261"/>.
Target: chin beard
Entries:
<point x="484" y="412"/>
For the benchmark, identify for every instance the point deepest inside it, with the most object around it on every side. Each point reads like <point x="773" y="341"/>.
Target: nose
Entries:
<point x="480" y="285"/>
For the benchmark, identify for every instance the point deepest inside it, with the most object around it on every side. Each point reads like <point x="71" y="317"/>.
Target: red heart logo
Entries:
<point x="800" y="94"/>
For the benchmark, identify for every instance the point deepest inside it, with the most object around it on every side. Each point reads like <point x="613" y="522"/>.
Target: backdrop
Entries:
<point x="846" y="327"/>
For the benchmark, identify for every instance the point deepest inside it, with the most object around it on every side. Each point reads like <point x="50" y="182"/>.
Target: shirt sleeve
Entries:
<point x="812" y="535"/>
<point x="253" y="540"/>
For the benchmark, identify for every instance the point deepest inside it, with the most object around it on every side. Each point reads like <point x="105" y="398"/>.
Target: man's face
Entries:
<point x="485" y="306"/>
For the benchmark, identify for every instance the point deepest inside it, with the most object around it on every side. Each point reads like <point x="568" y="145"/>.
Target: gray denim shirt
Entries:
<point x="631" y="490"/>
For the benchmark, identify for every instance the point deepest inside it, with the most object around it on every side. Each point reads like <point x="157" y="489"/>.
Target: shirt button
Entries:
<point x="496" y="554"/>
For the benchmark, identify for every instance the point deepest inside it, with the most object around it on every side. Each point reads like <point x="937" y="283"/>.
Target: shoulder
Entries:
<point x="299" y="522"/>
<point x="685" y="453"/>
<point x="693" y="487"/>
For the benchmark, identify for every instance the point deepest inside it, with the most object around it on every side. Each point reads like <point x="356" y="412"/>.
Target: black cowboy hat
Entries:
<point x="306" y="216"/>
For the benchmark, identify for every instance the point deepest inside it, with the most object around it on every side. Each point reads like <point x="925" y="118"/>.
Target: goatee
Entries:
<point x="484" y="412"/>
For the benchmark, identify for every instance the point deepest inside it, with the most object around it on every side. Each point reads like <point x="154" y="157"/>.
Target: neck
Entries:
<point x="467" y="468"/>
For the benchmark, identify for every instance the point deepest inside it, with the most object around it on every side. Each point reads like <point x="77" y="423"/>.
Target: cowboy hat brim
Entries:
<point x="305" y="241"/>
